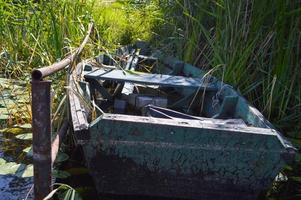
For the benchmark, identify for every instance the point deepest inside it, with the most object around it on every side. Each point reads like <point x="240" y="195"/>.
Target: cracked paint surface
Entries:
<point x="154" y="157"/>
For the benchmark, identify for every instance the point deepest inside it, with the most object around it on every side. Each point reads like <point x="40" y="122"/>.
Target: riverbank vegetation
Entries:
<point x="253" y="45"/>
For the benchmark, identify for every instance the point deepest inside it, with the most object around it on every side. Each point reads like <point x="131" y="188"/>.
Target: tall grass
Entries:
<point x="258" y="42"/>
<point x="35" y="33"/>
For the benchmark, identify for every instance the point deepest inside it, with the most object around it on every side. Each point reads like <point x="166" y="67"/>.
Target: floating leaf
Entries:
<point x="27" y="172"/>
<point x="60" y="174"/>
<point x="25" y="126"/>
<point x="4" y="111"/>
<point x="28" y="151"/>
<point x="24" y="136"/>
<point x="4" y="117"/>
<point x="61" y="157"/>
<point x="13" y="130"/>
<point x="20" y="170"/>
<point x="2" y="161"/>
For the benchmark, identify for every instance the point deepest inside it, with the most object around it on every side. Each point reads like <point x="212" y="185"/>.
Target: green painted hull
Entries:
<point x="203" y="158"/>
<point x="145" y="156"/>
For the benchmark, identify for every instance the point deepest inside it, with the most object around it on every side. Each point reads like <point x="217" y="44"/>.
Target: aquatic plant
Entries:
<point x="255" y="45"/>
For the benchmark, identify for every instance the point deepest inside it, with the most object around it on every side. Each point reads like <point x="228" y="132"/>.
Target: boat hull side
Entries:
<point x="130" y="155"/>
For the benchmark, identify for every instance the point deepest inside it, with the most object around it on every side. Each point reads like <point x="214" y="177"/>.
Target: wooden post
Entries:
<point x="41" y="126"/>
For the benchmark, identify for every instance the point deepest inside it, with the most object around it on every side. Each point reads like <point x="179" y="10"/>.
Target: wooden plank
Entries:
<point x="79" y="114"/>
<point x="150" y="79"/>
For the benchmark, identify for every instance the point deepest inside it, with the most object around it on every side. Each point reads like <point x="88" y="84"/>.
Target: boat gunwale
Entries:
<point x="79" y="72"/>
<point x="204" y="124"/>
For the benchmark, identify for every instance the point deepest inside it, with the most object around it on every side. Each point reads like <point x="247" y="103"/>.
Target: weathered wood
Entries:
<point x="78" y="112"/>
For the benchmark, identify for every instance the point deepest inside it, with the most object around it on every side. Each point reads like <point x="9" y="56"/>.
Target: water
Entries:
<point x="16" y="169"/>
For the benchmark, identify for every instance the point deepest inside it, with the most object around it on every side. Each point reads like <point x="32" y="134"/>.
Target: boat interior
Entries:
<point x="135" y="81"/>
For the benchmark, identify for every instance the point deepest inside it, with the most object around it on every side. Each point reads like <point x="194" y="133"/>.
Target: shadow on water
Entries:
<point x="15" y="168"/>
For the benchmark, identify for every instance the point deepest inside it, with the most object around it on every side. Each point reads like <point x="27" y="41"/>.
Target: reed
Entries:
<point x="257" y="43"/>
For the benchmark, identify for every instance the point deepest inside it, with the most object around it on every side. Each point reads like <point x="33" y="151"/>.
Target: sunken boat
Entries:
<point x="152" y="125"/>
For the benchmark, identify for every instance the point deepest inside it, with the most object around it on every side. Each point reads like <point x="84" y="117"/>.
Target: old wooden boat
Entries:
<point x="156" y="126"/>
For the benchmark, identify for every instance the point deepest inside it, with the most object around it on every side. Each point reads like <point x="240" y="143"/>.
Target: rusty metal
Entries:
<point x="45" y="151"/>
<point x="58" y="140"/>
<point x="39" y="74"/>
<point x="41" y="125"/>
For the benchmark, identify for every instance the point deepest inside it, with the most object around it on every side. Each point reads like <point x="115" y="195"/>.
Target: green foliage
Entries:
<point x="258" y="45"/>
<point x="60" y="174"/>
<point x="61" y="157"/>
<point x="257" y="42"/>
<point x="254" y="44"/>
<point x="38" y="33"/>
<point x="64" y="191"/>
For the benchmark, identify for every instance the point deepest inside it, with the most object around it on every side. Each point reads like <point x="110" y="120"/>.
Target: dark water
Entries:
<point x="15" y="164"/>
<point x="12" y="183"/>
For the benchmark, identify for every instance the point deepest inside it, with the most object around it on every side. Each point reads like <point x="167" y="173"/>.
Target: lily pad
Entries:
<point x="2" y="161"/>
<point x="4" y="117"/>
<point x="25" y="126"/>
<point x="28" y="151"/>
<point x="19" y="170"/>
<point x="4" y="111"/>
<point x="24" y="136"/>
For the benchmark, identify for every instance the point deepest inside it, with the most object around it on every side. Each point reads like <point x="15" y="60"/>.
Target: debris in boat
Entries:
<point x="167" y="128"/>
